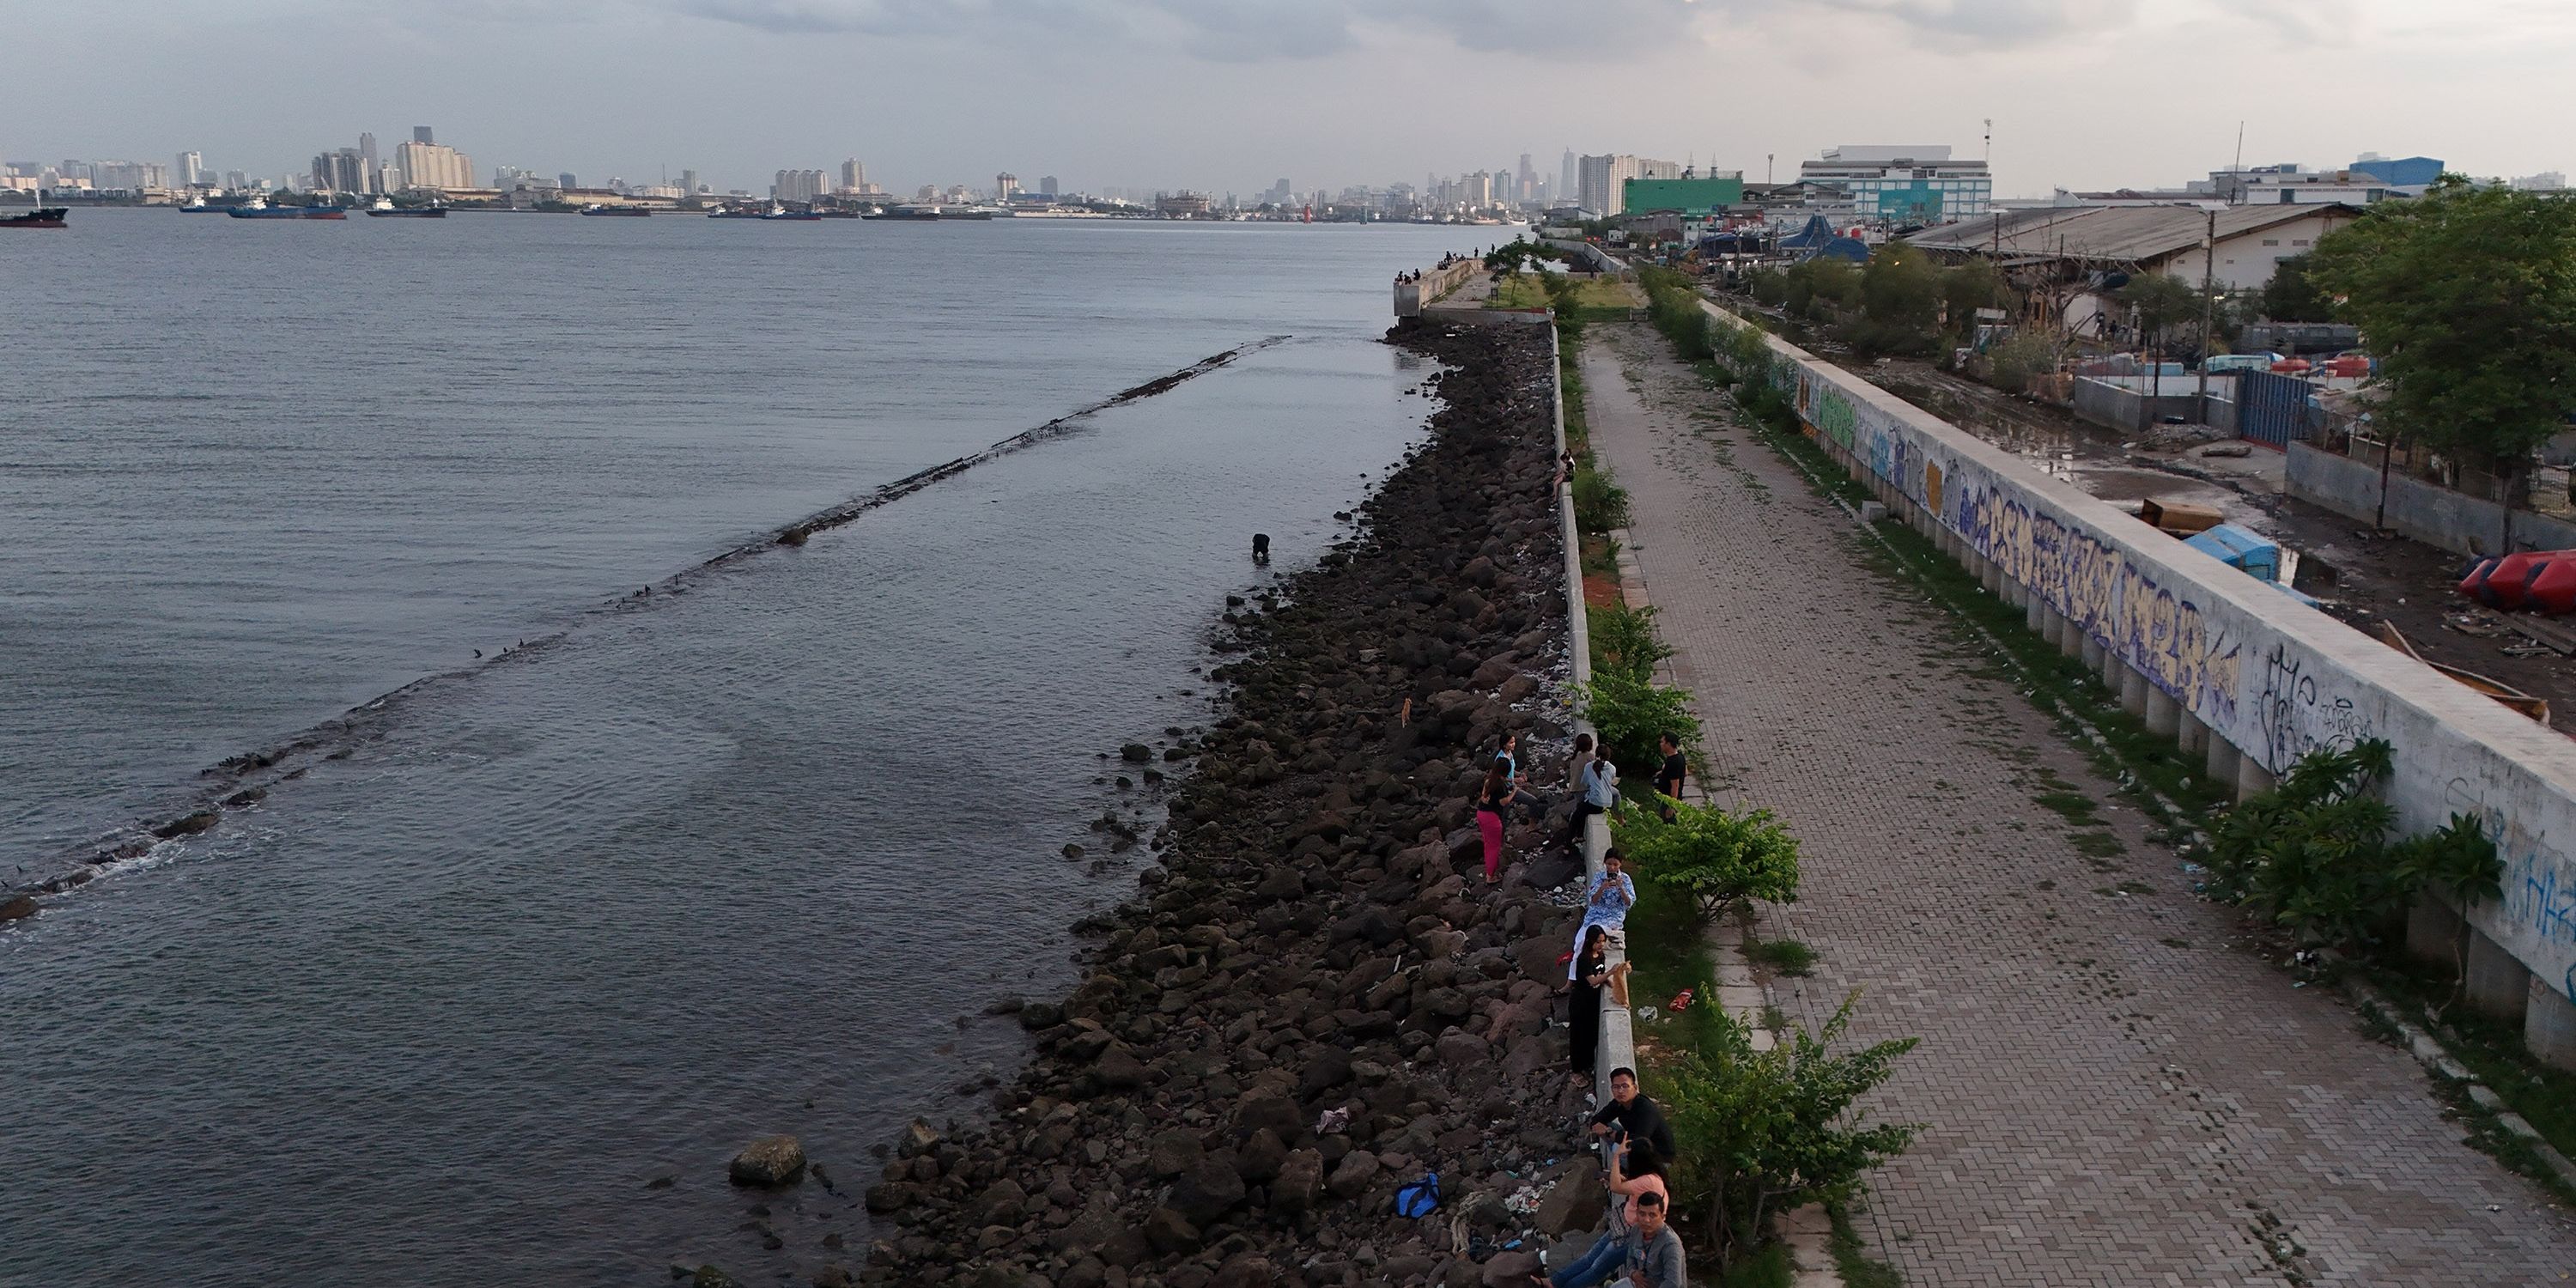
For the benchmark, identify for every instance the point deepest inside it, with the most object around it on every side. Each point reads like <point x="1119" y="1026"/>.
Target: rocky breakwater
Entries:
<point x="1315" y="999"/>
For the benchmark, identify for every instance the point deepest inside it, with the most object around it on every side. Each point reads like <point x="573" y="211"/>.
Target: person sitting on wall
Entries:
<point x="1607" y="904"/>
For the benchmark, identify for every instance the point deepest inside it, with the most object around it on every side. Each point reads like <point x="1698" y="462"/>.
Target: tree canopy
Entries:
<point x="2292" y="294"/>
<point x="2467" y="296"/>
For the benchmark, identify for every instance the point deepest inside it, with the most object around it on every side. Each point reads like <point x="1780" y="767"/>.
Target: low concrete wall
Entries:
<point x="1475" y="316"/>
<point x="2428" y="512"/>
<point x="1413" y="297"/>
<point x="2108" y="404"/>
<point x="1618" y="1047"/>
<point x="2265" y="678"/>
<point x="1593" y="258"/>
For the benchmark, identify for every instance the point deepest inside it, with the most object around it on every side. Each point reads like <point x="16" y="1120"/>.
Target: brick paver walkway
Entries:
<point x="2114" y="1095"/>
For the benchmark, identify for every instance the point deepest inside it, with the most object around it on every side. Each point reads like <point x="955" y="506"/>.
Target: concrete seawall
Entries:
<point x="1411" y="298"/>
<point x="2234" y="669"/>
<point x="1618" y="1047"/>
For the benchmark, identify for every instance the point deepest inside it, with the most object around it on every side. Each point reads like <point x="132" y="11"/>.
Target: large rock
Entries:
<point x="1170" y="1233"/>
<point x="1119" y="1069"/>
<point x="1352" y="1176"/>
<point x="1261" y="1157"/>
<point x="1510" y="1269"/>
<point x="1208" y="1189"/>
<point x="1245" y="1270"/>
<point x="1326" y="1068"/>
<point x="1273" y="1112"/>
<point x="1301" y="1178"/>
<point x="1576" y="1202"/>
<point x="1173" y="1152"/>
<point x="1459" y="1049"/>
<point x="768" y="1161"/>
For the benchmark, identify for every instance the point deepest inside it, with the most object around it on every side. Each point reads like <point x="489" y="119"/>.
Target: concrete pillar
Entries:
<point x="2163" y="717"/>
<point x="2223" y="758"/>
<point x="1991" y="574"/>
<point x="2134" y="689"/>
<point x="2497" y="984"/>
<point x="2034" y="614"/>
<point x="2193" y="734"/>
<point x="2433" y="932"/>
<point x="2071" y="639"/>
<point x="2111" y="666"/>
<point x="2091" y="652"/>
<point x="2252" y="779"/>
<point x="2549" y="1026"/>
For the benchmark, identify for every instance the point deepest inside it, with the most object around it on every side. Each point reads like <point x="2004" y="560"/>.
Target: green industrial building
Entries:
<point x="1689" y="196"/>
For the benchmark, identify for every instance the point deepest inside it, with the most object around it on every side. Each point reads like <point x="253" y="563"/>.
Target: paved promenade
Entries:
<point x="2113" y="1094"/>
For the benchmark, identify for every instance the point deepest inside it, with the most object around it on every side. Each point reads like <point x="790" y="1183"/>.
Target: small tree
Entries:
<point x="1710" y="857"/>
<point x="1900" y="301"/>
<point x="1765" y="1131"/>
<point x="1631" y="711"/>
<point x="1969" y="287"/>
<point x="2160" y="301"/>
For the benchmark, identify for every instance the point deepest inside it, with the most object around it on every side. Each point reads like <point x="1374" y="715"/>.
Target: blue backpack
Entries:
<point x="1419" y="1199"/>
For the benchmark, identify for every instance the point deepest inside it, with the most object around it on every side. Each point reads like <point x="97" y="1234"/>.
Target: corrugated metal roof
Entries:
<point x="2129" y="234"/>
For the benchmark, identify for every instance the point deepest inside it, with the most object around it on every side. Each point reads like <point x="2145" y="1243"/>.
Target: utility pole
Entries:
<point x="2208" y="306"/>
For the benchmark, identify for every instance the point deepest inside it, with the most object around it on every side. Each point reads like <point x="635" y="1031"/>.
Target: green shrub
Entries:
<point x="1629" y="714"/>
<point x="2019" y="362"/>
<point x="1762" y="1132"/>
<point x="1787" y="956"/>
<point x="1600" y="504"/>
<point x="1624" y="642"/>
<point x="2313" y="855"/>
<point x="1711" y="857"/>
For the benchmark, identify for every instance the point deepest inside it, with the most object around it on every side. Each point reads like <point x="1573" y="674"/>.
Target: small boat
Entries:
<point x="258" y="208"/>
<point x="386" y="209"/>
<point x="40" y="217"/>
<point x="2536" y="708"/>
<point x="780" y="212"/>
<point x="617" y="212"/>
<point x="930" y="212"/>
<point x="196" y="205"/>
<point x="734" y="212"/>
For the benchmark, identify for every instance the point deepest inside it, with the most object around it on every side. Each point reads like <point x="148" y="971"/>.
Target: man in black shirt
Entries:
<point x="1668" y="780"/>
<point x="1633" y="1116"/>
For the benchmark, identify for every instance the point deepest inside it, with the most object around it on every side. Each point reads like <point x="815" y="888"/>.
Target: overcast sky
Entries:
<point x="1228" y="95"/>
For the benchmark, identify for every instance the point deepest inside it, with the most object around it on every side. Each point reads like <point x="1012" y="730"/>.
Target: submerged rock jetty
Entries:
<point x="1315" y="999"/>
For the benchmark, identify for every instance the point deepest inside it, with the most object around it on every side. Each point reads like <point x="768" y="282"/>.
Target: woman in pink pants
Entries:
<point x="1491" y="800"/>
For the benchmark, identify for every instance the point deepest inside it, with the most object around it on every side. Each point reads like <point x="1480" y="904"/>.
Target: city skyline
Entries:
<point x="1246" y="92"/>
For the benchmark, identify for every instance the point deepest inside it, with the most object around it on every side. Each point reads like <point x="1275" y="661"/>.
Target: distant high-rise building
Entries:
<point x="1047" y="185"/>
<point x="2545" y="181"/>
<point x="433" y="166"/>
<point x="1568" y="180"/>
<point x="340" y="170"/>
<point x="567" y="180"/>
<point x="1526" y="188"/>
<point x="1603" y="180"/>
<point x="854" y="177"/>
<point x="798" y="185"/>
<point x="420" y="134"/>
<point x="236" y="180"/>
<point x="191" y="169"/>
<point x="1005" y="184"/>
<point x="367" y="151"/>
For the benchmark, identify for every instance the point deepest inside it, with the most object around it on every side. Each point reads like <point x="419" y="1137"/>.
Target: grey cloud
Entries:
<point x="1263" y="30"/>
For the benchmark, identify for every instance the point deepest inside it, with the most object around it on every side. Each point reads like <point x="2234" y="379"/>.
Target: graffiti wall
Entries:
<point x="2269" y="674"/>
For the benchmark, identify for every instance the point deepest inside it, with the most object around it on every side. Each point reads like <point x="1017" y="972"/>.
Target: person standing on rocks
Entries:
<point x="1631" y="1116"/>
<point x="1600" y="788"/>
<point x="1583" y="1022"/>
<point x="1605" y="908"/>
<point x="1491" y="800"/>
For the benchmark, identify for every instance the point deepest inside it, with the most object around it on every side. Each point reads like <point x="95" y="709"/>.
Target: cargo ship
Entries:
<point x="258" y="208"/>
<point x="931" y="212"/>
<point x="197" y="206"/>
<point x="732" y="212"/>
<point x="617" y="212"/>
<point x="386" y="209"/>
<point x="780" y="212"/>
<point x="40" y="217"/>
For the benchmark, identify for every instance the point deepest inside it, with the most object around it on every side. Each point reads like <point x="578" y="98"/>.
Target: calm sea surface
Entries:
<point x="724" y="862"/>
